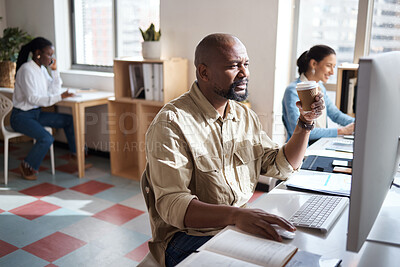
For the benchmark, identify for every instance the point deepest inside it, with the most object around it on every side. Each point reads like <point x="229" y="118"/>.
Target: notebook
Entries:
<point x="320" y="163"/>
<point x="329" y="183"/>
<point x="341" y="145"/>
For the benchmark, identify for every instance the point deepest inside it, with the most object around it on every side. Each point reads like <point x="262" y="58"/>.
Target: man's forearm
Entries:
<point x="204" y="215"/>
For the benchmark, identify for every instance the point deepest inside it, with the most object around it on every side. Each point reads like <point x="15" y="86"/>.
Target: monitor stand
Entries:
<point x="386" y="227"/>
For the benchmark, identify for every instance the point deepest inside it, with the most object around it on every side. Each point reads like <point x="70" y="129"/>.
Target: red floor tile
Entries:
<point x="6" y="248"/>
<point x="42" y="190"/>
<point x="68" y="168"/>
<point x="91" y="187"/>
<point x="54" y="246"/>
<point x="138" y="253"/>
<point x="118" y="214"/>
<point x="34" y="210"/>
<point x="256" y="195"/>
<point x="66" y="156"/>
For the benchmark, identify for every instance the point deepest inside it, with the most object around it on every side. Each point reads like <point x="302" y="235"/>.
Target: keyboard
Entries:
<point x="319" y="212"/>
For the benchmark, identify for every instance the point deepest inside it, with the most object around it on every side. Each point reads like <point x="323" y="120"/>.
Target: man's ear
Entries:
<point x="203" y="72"/>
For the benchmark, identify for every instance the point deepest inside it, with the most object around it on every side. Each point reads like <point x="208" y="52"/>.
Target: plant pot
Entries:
<point x="7" y="74"/>
<point x="151" y="49"/>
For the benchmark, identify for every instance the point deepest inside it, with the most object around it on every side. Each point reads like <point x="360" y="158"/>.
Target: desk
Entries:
<point x="78" y="104"/>
<point x="283" y="202"/>
<point x="318" y="149"/>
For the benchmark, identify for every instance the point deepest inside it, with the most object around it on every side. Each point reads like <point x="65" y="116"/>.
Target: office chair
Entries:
<point x="6" y="106"/>
<point x="148" y="194"/>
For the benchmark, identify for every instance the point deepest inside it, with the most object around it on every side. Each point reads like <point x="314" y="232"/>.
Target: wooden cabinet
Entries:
<point x="129" y="118"/>
<point x="345" y="87"/>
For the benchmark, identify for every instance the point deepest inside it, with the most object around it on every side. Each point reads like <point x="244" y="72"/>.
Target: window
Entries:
<point x="334" y="23"/>
<point x="105" y="29"/>
<point x="328" y="22"/>
<point x="385" y="32"/>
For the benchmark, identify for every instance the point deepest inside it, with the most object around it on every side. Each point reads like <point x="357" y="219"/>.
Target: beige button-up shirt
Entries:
<point x="192" y="152"/>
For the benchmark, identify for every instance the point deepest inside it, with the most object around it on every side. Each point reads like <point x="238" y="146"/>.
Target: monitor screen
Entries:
<point x="376" y="141"/>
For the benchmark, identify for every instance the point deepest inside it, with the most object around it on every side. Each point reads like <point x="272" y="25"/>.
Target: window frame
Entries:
<point x="363" y="35"/>
<point x="88" y="67"/>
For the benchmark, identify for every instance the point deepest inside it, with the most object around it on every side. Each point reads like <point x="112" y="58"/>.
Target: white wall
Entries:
<point x="184" y="23"/>
<point x="36" y="17"/>
<point x="282" y="65"/>
<point x="3" y="22"/>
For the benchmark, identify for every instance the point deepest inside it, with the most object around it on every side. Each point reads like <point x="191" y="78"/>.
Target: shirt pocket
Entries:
<point x="209" y="183"/>
<point x="247" y="160"/>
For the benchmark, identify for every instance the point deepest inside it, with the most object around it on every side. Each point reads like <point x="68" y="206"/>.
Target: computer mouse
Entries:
<point x="283" y="232"/>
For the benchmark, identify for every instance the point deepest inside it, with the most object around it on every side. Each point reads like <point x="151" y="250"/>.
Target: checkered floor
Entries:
<point x="61" y="220"/>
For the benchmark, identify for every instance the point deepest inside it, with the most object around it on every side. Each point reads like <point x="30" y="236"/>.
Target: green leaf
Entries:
<point x="11" y="42"/>
<point x="151" y="34"/>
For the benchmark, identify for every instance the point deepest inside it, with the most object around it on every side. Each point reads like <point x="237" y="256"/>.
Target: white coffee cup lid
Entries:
<point x="306" y="85"/>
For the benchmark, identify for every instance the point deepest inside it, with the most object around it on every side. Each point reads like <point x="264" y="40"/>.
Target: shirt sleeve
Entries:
<point x="274" y="162"/>
<point x="28" y="83"/>
<point x="170" y="168"/>
<point x="289" y="101"/>
<point x="54" y="82"/>
<point x="335" y="114"/>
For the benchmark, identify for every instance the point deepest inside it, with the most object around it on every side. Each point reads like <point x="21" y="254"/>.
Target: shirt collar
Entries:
<point x="34" y="65"/>
<point x="303" y="78"/>
<point x="209" y="112"/>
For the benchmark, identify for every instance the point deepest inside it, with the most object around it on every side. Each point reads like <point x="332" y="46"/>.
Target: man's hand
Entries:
<point x="258" y="222"/>
<point x="316" y="109"/>
<point x="255" y="221"/>
<point x="348" y="129"/>
<point x="66" y="94"/>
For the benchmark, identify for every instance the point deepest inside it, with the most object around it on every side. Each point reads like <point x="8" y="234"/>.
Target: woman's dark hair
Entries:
<point x="317" y="52"/>
<point x="32" y="46"/>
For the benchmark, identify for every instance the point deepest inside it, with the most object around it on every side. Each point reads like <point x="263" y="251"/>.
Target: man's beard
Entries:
<point x="231" y="94"/>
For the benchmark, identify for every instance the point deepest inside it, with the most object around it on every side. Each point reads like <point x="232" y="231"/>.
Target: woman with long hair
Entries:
<point x="316" y="64"/>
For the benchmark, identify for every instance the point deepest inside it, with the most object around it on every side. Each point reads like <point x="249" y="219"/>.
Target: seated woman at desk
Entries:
<point x="34" y="88"/>
<point x="316" y="64"/>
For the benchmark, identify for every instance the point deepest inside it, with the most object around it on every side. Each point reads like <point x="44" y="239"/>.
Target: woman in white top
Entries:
<point x="35" y="88"/>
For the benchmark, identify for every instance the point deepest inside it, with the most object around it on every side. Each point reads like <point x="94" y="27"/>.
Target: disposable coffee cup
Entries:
<point x="307" y="92"/>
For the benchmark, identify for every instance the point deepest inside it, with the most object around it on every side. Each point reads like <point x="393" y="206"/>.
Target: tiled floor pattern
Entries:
<point x="61" y="220"/>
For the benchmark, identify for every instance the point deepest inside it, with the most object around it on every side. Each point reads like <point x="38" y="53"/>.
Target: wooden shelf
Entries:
<point x="344" y="72"/>
<point x="129" y="118"/>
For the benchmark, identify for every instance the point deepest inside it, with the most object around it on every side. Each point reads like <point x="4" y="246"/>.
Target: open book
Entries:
<point x="232" y="247"/>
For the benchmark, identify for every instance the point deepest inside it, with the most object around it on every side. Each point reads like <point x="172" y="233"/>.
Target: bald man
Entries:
<point x="205" y="151"/>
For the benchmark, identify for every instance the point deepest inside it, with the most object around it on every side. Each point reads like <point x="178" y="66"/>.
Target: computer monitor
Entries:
<point x="376" y="142"/>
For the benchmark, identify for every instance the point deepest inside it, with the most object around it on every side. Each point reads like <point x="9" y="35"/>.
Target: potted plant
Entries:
<point x="151" y="47"/>
<point x="10" y="44"/>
